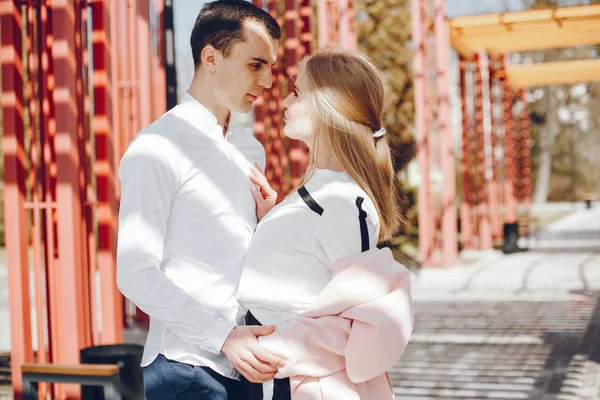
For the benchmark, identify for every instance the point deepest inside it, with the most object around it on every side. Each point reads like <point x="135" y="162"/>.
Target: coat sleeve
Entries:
<point x="380" y="333"/>
<point x="366" y="339"/>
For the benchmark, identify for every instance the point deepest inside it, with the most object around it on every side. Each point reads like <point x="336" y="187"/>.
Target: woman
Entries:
<point x="345" y="205"/>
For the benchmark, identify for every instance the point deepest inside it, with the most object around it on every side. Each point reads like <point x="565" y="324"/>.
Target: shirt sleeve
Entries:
<point x="150" y="175"/>
<point x="338" y="229"/>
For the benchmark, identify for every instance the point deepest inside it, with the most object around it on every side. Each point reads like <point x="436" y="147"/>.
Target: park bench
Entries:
<point x="105" y="375"/>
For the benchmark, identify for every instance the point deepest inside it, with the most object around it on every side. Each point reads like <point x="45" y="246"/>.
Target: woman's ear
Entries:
<point x="208" y="58"/>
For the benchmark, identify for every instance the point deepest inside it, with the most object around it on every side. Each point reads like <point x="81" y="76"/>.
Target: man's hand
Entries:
<point x="243" y="351"/>
<point x="263" y="193"/>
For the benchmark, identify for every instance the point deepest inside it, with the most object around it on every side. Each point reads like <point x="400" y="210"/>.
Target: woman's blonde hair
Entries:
<point x="346" y="95"/>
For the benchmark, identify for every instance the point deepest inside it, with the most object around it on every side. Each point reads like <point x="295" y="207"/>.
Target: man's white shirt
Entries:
<point x="186" y="220"/>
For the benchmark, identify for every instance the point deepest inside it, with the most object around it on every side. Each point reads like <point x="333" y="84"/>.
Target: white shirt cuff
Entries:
<point x="220" y="331"/>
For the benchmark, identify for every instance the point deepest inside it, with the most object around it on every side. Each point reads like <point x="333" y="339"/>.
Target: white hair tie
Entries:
<point x="379" y="133"/>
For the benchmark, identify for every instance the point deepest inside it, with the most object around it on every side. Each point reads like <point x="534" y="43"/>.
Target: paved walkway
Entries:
<point x="522" y="326"/>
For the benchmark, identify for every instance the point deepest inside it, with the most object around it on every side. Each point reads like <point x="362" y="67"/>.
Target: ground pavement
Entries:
<point x="521" y="326"/>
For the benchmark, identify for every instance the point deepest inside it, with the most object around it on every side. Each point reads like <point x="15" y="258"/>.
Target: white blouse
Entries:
<point x="295" y="244"/>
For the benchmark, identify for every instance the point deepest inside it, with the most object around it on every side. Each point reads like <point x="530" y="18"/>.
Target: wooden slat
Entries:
<point x="554" y="73"/>
<point x="588" y="11"/>
<point x="526" y="30"/>
<point x="71" y="369"/>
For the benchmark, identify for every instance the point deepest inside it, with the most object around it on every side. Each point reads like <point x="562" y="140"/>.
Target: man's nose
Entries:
<point x="266" y="80"/>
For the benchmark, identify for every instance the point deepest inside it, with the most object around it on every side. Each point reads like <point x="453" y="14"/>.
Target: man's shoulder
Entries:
<point x="168" y="135"/>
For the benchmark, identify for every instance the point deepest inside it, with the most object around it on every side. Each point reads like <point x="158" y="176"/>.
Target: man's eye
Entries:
<point x="295" y="92"/>
<point x="256" y="67"/>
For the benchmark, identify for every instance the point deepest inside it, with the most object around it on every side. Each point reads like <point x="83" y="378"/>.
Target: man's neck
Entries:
<point x="201" y="91"/>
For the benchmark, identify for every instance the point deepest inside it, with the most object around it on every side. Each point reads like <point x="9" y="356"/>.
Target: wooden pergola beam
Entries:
<point x="526" y="30"/>
<point x="553" y="73"/>
<point x="558" y="14"/>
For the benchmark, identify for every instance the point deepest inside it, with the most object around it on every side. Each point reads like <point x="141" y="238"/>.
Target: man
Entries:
<point x="188" y="212"/>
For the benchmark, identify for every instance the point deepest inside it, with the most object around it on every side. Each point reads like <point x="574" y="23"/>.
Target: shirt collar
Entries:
<point x="202" y="118"/>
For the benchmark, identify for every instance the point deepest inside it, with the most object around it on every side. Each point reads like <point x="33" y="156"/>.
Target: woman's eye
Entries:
<point x="295" y="92"/>
<point x="256" y="67"/>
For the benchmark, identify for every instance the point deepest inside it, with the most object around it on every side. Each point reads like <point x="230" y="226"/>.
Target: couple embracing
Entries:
<point x="247" y="299"/>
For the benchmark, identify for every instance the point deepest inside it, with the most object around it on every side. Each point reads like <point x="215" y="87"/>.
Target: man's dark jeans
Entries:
<point x="166" y="379"/>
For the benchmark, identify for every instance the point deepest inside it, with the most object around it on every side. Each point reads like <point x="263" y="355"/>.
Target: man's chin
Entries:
<point x="242" y="108"/>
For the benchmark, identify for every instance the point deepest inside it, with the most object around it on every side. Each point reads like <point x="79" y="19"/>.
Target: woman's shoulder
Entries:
<point x="344" y="209"/>
<point x="339" y="198"/>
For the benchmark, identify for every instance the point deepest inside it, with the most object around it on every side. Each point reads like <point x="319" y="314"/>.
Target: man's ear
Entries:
<point x="208" y="58"/>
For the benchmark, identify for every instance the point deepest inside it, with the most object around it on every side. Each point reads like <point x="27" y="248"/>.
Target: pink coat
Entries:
<point x="356" y="330"/>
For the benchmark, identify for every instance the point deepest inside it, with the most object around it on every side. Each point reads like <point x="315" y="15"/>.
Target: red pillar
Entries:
<point x="466" y="209"/>
<point x="133" y="64"/>
<point x="49" y="174"/>
<point x="104" y="123"/>
<point x="346" y="29"/>
<point x="306" y="35"/>
<point x="36" y="206"/>
<point x="259" y="104"/>
<point x="86" y="190"/>
<point x="448" y="217"/>
<point x="276" y="150"/>
<point x="510" y="213"/>
<point x="145" y="92"/>
<point x="123" y="75"/>
<point x="297" y="155"/>
<point x="72" y="326"/>
<point x="159" y="83"/>
<point x="494" y="188"/>
<point x="422" y="111"/>
<point x="525" y="154"/>
<point x="328" y="25"/>
<point x="351" y="32"/>
<point x="15" y="217"/>
<point x="482" y="211"/>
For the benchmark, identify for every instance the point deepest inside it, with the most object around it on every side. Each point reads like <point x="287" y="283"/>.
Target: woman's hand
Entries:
<point x="264" y="195"/>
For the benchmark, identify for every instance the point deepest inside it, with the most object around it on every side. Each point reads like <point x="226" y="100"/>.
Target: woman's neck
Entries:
<point x="326" y="159"/>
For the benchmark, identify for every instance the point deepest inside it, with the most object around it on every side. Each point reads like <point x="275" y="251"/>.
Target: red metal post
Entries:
<point x="133" y="63"/>
<point x="510" y="213"/>
<point x="86" y="194"/>
<point x="346" y="34"/>
<point x="48" y="174"/>
<point x="159" y="101"/>
<point x="104" y="124"/>
<point x="72" y="326"/>
<point x="327" y="14"/>
<point x="422" y="111"/>
<point x="448" y="217"/>
<point x="494" y="194"/>
<point x="276" y="150"/>
<point x="466" y="211"/>
<point x="297" y="153"/>
<point x="123" y="75"/>
<point x="306" y="35"/>
<point x="525" y="154"/>
<point x="15" y="216"/>
<point x="352" y="40"/>
<point x="259" y="104"/>
<point x="482" y="211"/>
<point x="336" y="23"/>
<point x="144" y="62"/>
<point x="36" y="206"/>
<point x="517" y="182"/>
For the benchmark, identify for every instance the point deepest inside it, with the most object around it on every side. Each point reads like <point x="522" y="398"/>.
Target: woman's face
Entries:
<point x="298" y="122"/>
